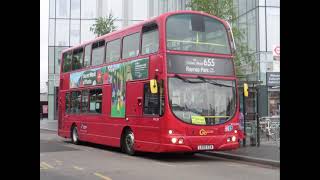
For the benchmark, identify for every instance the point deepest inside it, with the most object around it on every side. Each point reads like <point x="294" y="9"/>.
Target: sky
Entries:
<point x="44" y="16"/>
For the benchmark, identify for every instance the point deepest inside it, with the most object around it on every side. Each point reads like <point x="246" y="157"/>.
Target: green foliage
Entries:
<point x="103" y="25"/>
<point x="224" y="9"/>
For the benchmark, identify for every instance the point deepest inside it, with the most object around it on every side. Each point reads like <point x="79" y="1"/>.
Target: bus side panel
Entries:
<point x="145" y="129"/>
<point x="61" y="116"/>
<point x="101" y="128"/>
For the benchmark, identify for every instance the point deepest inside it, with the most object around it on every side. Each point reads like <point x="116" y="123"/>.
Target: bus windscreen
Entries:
<point x="192" y="32"/>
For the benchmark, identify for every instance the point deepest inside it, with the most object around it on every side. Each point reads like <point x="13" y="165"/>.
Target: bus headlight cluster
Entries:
<point x="170" y="131"/>
<point x="175" y="140"/>
<point x="233" y="138"/>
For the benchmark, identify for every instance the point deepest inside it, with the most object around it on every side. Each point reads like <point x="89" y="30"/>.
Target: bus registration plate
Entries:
<point x="205" y="147"/>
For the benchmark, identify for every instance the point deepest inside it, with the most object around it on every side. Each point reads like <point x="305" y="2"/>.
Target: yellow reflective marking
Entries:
<point x="102" y="176"/>
<point x="47" y="165"/>
<point x="42" y="166"/>
<point x="78" y="168"/>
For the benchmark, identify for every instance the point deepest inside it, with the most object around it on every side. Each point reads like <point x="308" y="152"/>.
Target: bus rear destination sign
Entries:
<point x="199" y="65"/>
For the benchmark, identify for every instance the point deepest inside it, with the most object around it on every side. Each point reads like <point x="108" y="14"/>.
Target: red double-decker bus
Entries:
<point x="167" y="84"/>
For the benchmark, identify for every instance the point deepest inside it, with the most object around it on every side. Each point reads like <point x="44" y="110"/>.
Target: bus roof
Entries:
<point x="138" y="25"/>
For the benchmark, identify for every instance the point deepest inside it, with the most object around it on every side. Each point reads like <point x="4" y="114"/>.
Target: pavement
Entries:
<point x="266" y="154"/>
<point x="46" y="124"/>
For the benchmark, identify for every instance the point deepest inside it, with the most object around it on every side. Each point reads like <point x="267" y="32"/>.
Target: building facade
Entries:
<point x="70" y="22"/>
<point x="260" y="22"/>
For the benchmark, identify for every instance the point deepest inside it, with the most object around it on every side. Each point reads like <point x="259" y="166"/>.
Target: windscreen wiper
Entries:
<point x="212" y="82"/>
<point x="184" y="79"/>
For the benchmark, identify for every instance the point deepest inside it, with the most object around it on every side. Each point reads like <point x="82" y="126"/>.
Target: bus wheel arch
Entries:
<point x="127" y="140"/>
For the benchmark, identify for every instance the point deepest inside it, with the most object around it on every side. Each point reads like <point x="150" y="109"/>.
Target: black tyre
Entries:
<point x="75" y="135"/>
<point x="128" y="142"/>
<point x="189" y="153"/>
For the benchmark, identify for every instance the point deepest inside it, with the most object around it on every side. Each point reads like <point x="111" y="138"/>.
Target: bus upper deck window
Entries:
<point x="150" y="38"/>
<point x="77" y="58"/>
<point x="98" y="50"/>
<point x="67" y="61"/>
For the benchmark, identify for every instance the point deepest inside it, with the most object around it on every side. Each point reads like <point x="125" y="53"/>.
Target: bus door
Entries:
<point x="142" y="114"/>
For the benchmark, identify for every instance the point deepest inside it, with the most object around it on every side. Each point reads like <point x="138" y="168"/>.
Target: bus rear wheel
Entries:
<point x="128" y="142"/>
<point x="75" y="135"/>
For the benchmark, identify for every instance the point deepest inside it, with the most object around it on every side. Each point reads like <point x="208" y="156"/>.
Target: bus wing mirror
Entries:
<point x="245" y="89"/>
<point x="153" y="86"/>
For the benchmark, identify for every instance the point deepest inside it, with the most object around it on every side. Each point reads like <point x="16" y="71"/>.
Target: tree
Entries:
<point x="224" y="9"/>
<point x="103" y="25"/>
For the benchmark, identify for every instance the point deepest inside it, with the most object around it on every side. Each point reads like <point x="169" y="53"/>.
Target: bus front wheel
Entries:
<point x="75" y="135"/>
<point x="128" y="142"/>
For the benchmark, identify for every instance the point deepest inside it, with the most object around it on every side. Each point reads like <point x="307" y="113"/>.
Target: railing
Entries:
<point x="270" y="130"/>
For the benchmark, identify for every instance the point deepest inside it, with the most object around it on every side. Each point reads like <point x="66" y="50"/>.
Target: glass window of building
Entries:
<point x="273" y="27"/>
<point x="243" y="28"/>
<point x="67" y="61"/>
<point x="84" y="101"/>
<point x="51" y="60"/>
<point x="75" y="101"/>
<point x="188" y="32"/>
<point x="139" y="10"/>
<point x="62" y="32"/>
<point x="252" y="31"/>
<point x="77" y="58"/>
<point x="57" y="58"/>
<point x="52" y="10"/>
<point x="116" y="8"/>
<point x="95" y="101"/>
<point x="262" y="2"/>
<point x="236" y="7"/>
<point x="74" y="32"/>
<point x="262" y="29"/>
<point x="98" y="50"/>
<point x="242" y="7"/>
<point x="118" y="24"/>
<point x="87" y="56"/>
<point x="75" y="9"/>
<point x="251" y="4"/>
<point x="275" y="3"/>
<point x="113" y="51"/>
<point x="62" y="8"/>
<point x="88" y="9"/>
<point x="150" y="39"/>
<point x="86" y="34"/>
<point x="51" y="32"/>
<point x="130" y="46"/>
